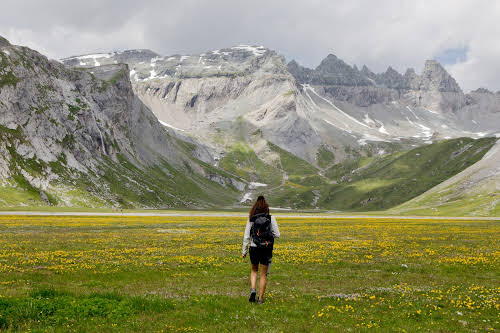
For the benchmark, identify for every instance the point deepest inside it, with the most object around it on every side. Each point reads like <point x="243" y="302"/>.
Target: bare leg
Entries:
<point x="253" y="276"/>
<point x="263" y="281"/>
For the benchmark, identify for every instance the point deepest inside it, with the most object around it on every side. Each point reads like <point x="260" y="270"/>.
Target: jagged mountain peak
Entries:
<point x="392" y="79"/>
<point x="435" y="77"/>
<point x="331" y="57"/>
<point x="391" y="70"/>
<point x="433" y="68"/>
<point x="365" y="69"/>
<point x="293" y="63"/>
<point x="300" y="73"/>
<point x="334" y="71"/>
<point x="368" y="73"/>
<point x="482" y="91"/>
<point x="410" y="72"/>
<point x="332" y="62"/>
<point x="433" y="63"/>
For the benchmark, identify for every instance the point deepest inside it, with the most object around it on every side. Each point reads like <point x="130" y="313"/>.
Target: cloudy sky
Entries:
<point x="463" y="35"/>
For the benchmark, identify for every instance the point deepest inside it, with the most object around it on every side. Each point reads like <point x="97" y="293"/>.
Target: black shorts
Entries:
<point x="261" y="255"/>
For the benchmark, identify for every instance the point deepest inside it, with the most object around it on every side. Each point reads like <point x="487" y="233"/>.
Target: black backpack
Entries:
<point x="261" y="231"/>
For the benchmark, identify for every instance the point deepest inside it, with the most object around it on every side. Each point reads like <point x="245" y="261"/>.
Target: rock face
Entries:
<point x="392" y="79"/>
<point x="226" y="95"/>
<point x="435" y="77"/>
<point x="334" y="71"/>
<point x="60" y="125"/>
<point x="434" y="88"/>
<point x="211" y="95"/>
<point x="84" y="115"/>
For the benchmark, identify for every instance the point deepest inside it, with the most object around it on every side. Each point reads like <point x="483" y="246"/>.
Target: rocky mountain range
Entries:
<point x="299" y="109"/>
<point x="80" y="137"/>
<point x="229" y="123"/>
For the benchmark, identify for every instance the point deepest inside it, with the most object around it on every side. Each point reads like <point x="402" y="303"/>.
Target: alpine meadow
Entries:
<point x="125" y="274"/>
<point x="231" y="166"/>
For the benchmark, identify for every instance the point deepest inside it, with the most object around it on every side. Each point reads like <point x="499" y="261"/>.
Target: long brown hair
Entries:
<point x="260" y="206"/>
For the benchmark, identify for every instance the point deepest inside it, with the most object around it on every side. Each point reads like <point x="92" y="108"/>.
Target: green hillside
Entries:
<point x="379" y="183"/>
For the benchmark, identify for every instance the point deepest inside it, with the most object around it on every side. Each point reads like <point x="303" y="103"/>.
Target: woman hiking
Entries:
<point x="260" y="232"/>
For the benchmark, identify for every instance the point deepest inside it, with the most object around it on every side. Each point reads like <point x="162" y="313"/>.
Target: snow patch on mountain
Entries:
<point x="368" y="120"/>
<point x="369" y="137"/>
<point x="426" y="131"/>
<point x="429" y="110"/>
<point x="168" y="125"/>
<point x="255" y="185"/>
<point x="246" y="197"/>
<point x="256" y="50"/>
<point x="334" y="125"/>
<point x="413" y="113"/>
<point x="382" y="128"/>
<point x="307" y="86"/>
<point x="93" y="57"/>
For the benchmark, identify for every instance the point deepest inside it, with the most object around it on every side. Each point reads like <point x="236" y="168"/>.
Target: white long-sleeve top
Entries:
<point x="248" y="240"/>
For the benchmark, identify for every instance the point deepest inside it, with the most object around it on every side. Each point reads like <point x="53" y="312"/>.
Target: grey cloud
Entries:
<point x="376" y="33"/>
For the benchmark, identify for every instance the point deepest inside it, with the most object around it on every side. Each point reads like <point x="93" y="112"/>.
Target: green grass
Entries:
<point x="379" y="183"/>
<point x="291" y="164"/>
<point x="52" y="307"/>
<point x="12" y="194"/>
<point x="324" y="156"/>
<point x="367" y="183"/>
<point x="292" y="195"/>
<point x="485" y="204"/>
<point x="391" y="180"/>
<point x="344" y="168"/>
<point x="102" y="85"/>
<point x="296" y="193"/>
<point x="128" y="274"/>
<point x="7" y="77"/>
<point x="18" y="187"/>
<point x="163" y="186"/>
<point x="242" y="161"/>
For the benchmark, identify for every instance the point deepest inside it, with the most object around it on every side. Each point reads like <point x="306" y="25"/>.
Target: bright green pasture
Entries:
<point x="128" y="274"/>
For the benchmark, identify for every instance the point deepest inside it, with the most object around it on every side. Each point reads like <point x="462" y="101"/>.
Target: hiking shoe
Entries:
<point x="253" y="293"/>
<point x="260" y="301"/>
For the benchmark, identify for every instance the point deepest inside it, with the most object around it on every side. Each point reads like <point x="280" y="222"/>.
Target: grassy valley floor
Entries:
<point x="185" y="273"/>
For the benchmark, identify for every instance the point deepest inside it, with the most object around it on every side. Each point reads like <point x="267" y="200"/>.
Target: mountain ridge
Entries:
<point x="421" y="107"/>
<point x="84" y="132"/>
<point x="221" y="126"/>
